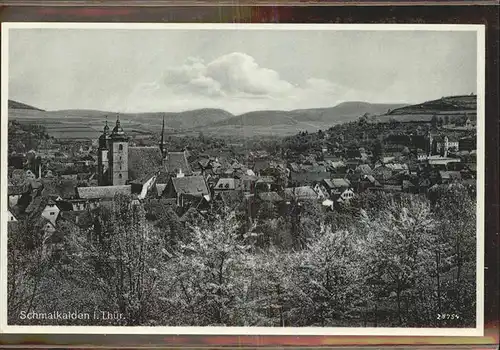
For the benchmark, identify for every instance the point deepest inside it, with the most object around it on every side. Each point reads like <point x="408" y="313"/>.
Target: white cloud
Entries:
<point x="235" y="82"/>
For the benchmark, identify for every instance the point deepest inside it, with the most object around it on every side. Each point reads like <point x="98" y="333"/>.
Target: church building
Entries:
<point x="112" y="165"/>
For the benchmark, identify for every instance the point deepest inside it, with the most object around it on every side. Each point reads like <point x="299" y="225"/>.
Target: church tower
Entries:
<point x="103" y="157"/>
<point x="118" y="155"/>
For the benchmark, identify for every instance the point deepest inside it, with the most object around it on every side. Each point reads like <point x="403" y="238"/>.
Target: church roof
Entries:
<point x="176" y="161"/>
<point x="194" y="185"/>
<point x="143" y="162"/>
<point x="103" y="192"/>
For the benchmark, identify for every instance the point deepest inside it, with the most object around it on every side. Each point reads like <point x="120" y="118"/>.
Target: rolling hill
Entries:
<point x="19" y="105"/>
<point x="450" y="106"/>
<point x="212" y="121"/>
<point x="289" y="122"/>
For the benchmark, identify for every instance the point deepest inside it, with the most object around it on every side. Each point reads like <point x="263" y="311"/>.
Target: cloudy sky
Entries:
<point x="237" y="70"/>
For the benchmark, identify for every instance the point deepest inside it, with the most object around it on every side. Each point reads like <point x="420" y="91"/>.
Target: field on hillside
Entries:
<point x="81" y="126"/>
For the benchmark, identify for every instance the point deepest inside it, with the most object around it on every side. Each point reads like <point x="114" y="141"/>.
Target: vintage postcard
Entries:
<point x="242" y="179"/>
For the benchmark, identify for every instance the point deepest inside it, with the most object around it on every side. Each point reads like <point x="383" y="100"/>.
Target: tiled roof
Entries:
<point x="63" y="188"/>
<point x="231" y="198"/>
<point x="142" y="161"/>
<point x="364" y="169"/>
<point x="107" y="192"/>
<point x="194" y="185"/>
<point x="270" y="197"/>
<point x="300" y="192"/>
<point x="176" y="161"/>
<point x="266" y="179"/>
<point x="337" y="183"/>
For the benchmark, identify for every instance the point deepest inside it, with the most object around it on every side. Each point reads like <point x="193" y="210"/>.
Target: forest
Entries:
<point x="402" y="260"/>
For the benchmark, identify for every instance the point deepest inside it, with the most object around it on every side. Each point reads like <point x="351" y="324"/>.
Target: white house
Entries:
<point x="51" y="212"/>
<point x="10" y="216"/>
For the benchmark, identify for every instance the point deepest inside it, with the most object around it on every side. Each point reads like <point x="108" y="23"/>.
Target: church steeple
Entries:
<point x="106" y="127"/>
<point x="162" y="138"/>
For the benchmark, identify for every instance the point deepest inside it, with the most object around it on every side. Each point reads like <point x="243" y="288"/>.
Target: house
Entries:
<point x="398" y="167"/>
<point x="247" y="182"/>
<point x="182" y="187"/>
<point x="272" y="197"/>
<point x="345" y="196"/>
<point x="227" y="184"/>
<point x="449" y="176"/>
<point x="366" y="182"/>
<point x="300" y="193"/>
<point x="382" y="173"/>
<point x="441" y="162"/>
<point x="336" y="186"/>
<point x="43" y="207"/>
<point x="321" y="191"/>
<point x="10" y="216"/>
<point x="309" y="174"/>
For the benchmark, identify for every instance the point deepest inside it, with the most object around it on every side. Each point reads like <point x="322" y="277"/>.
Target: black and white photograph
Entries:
<point x="309" y="179"/>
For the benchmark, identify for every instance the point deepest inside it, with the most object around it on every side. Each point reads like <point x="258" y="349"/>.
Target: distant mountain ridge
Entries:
<point x="343" y="112"/>
<point x="19" y="105"/>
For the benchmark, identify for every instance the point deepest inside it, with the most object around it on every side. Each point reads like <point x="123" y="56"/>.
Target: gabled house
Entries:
<point x="184" y="187"/>
<point x="43" y="207"/>
<point x="345" y="196"/>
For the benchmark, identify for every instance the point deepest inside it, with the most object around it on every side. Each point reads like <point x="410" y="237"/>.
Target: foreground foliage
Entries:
<point x="383" y="261"/>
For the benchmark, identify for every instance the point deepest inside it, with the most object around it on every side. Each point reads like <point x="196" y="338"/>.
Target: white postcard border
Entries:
<point x="477" y="331"/>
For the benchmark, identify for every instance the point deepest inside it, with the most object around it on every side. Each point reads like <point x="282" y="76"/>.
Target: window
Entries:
<point x="52" y="213"/>
<point x="120" y="148"/>
<point x="120" y="175"/>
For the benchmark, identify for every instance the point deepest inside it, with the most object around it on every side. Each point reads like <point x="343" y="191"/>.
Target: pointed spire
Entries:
<point x="162" y="137"/>
<point x="106" y="126"/>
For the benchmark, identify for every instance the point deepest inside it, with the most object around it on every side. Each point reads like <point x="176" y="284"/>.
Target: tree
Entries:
<point x="457" y="250"/>
<point x="118" y="261"/>
<point x="330" y="279"/>
<point x="207" y="279"/>
<point x="398" y="251"/>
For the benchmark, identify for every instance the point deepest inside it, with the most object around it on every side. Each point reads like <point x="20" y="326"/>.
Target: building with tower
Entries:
<point x="112" y="163"/>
